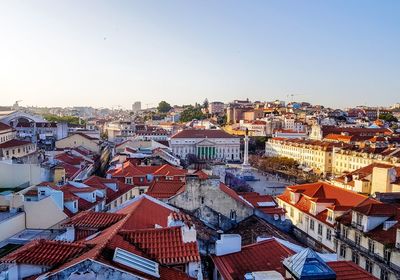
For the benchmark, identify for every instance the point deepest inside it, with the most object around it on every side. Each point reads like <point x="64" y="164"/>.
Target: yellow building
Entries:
<point x="309" y="153"/>
<point x="351" y="159"/>
<point x="371" y="179"/>
<point x="79" y="140"/>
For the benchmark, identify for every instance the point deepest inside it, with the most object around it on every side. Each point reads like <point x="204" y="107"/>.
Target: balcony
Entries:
<point x="370" y="255"/>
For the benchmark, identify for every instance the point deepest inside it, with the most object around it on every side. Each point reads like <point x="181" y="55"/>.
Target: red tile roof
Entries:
<point x="268" y="255"/>
<point x="324" y="193"/>
<point x="164" y="244"/>
<point x="377" y="210"/>
<point x="4" y="126"/>
<point x="94" y="220"/>
<point x="202" y="133"/>
<point x="201" y="174"/>
<point x="14" y="143"/>
<point x="165" y="189"/>
<point x="100" y="183"/>
<point x="346" y="270"/>
<point x="70" y="170"/>
<point x="70" y="159"/>
<point x="129" y="169"/>
<point x="45" y="252"/>
<point x="141" y="214"/>
<point x="144" y="214"/>
<point x="263" y="256"/>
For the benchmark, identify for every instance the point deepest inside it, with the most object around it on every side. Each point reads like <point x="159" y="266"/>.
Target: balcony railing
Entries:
<point x="369" y="254"/>
<point x="357" y="226"/>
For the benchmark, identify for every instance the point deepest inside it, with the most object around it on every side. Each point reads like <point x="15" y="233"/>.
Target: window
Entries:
<point x="387" y="254"/>
<point x="343" y="251"/>
<point x="371" y="246"/>
<point x="300" y="218"/>
<point x="312" y="224"/>
<point x="313" y="207"/>
<point x="202" y="200"/>
<point x="233" y="215"/>
<point x="357" y="238"/>
<point x="128" y="180"/>
<point x="355" y="257"/>
<point x="328" y="234"/>
<point x="319" y="229"/>
<point x="345" y="232"/>
<point x="291" y="212"/>
<point x="359" y="219"/>
<point x="330" y="216"/>
<point x="369" y="265"/>
<point x="384" y="274"/>
<point x="141" y="191"/>
<point x="292" y="197"/>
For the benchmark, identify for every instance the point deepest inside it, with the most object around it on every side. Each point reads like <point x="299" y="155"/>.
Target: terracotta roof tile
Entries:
<point x="346" y="270"/>
<point x="164" y="244"/>
<point x="262" y="256"/>
<point x="94" y="220"/>
<point x="165" y="189"/>
<point x="14" y="143"/>
<point x="46" y="252"/>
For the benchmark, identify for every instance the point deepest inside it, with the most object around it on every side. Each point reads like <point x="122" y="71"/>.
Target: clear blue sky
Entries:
<point x="107" y="53"/>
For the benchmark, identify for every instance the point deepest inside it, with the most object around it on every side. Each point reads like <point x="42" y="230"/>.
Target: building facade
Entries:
<point x="206" y="144"/>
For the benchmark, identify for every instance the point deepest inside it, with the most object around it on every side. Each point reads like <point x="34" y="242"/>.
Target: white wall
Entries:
<point x="12" y="226"/>
<point x="43" y="214"/>
<point x="13" y="175"/>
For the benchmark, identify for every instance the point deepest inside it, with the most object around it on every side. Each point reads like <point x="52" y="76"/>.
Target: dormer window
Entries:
<point x="330" y="216"/>
<point x="128" y="180"/>
<point x="359" y="218"/>
<point x="313" y="208"/>
<point x="293" y="197"/>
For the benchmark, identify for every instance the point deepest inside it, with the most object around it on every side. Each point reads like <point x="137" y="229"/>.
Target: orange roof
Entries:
<point x="64" y="255"/>
<point x="324" y="193"/>
<point x="164" y="244"/>
<point x="132" y="170"/>
<point x="45" y="252"/>
<point x="165" y="189"/>
<point x="262" y="256"/>
<point x="97" y="220"/>
<point x="145" y="213"/>
<point x="347" y="270"/>
<point x="201" y="174"/>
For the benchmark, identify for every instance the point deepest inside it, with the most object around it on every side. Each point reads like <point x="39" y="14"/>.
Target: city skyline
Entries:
<point x="103" y="54"/>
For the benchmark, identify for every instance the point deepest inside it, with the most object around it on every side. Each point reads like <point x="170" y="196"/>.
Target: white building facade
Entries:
<point x="206" y="144"/>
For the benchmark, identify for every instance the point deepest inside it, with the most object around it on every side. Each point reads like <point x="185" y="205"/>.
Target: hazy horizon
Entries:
<point x="109" y="53"/>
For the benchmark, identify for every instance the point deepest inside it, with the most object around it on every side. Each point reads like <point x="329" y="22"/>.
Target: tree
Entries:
<point x="388" y="117"/>
<point x="67" y="119"/>
<point x="191" y="113"/>
<point x="164" y="107"/>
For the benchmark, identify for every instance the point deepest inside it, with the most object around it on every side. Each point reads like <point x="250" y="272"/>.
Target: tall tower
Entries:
<point x="246" y="150"/>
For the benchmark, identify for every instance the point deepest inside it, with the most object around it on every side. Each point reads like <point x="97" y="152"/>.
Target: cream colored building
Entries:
<point x="312" y="154"/>
<point x="313" y="208"/>
<point x="79" y="140"/>
<point x="370" y="237"/>
<point x="348" y="160"/>
<point x="7" y="133"/>
<point x="371" y="179"/>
